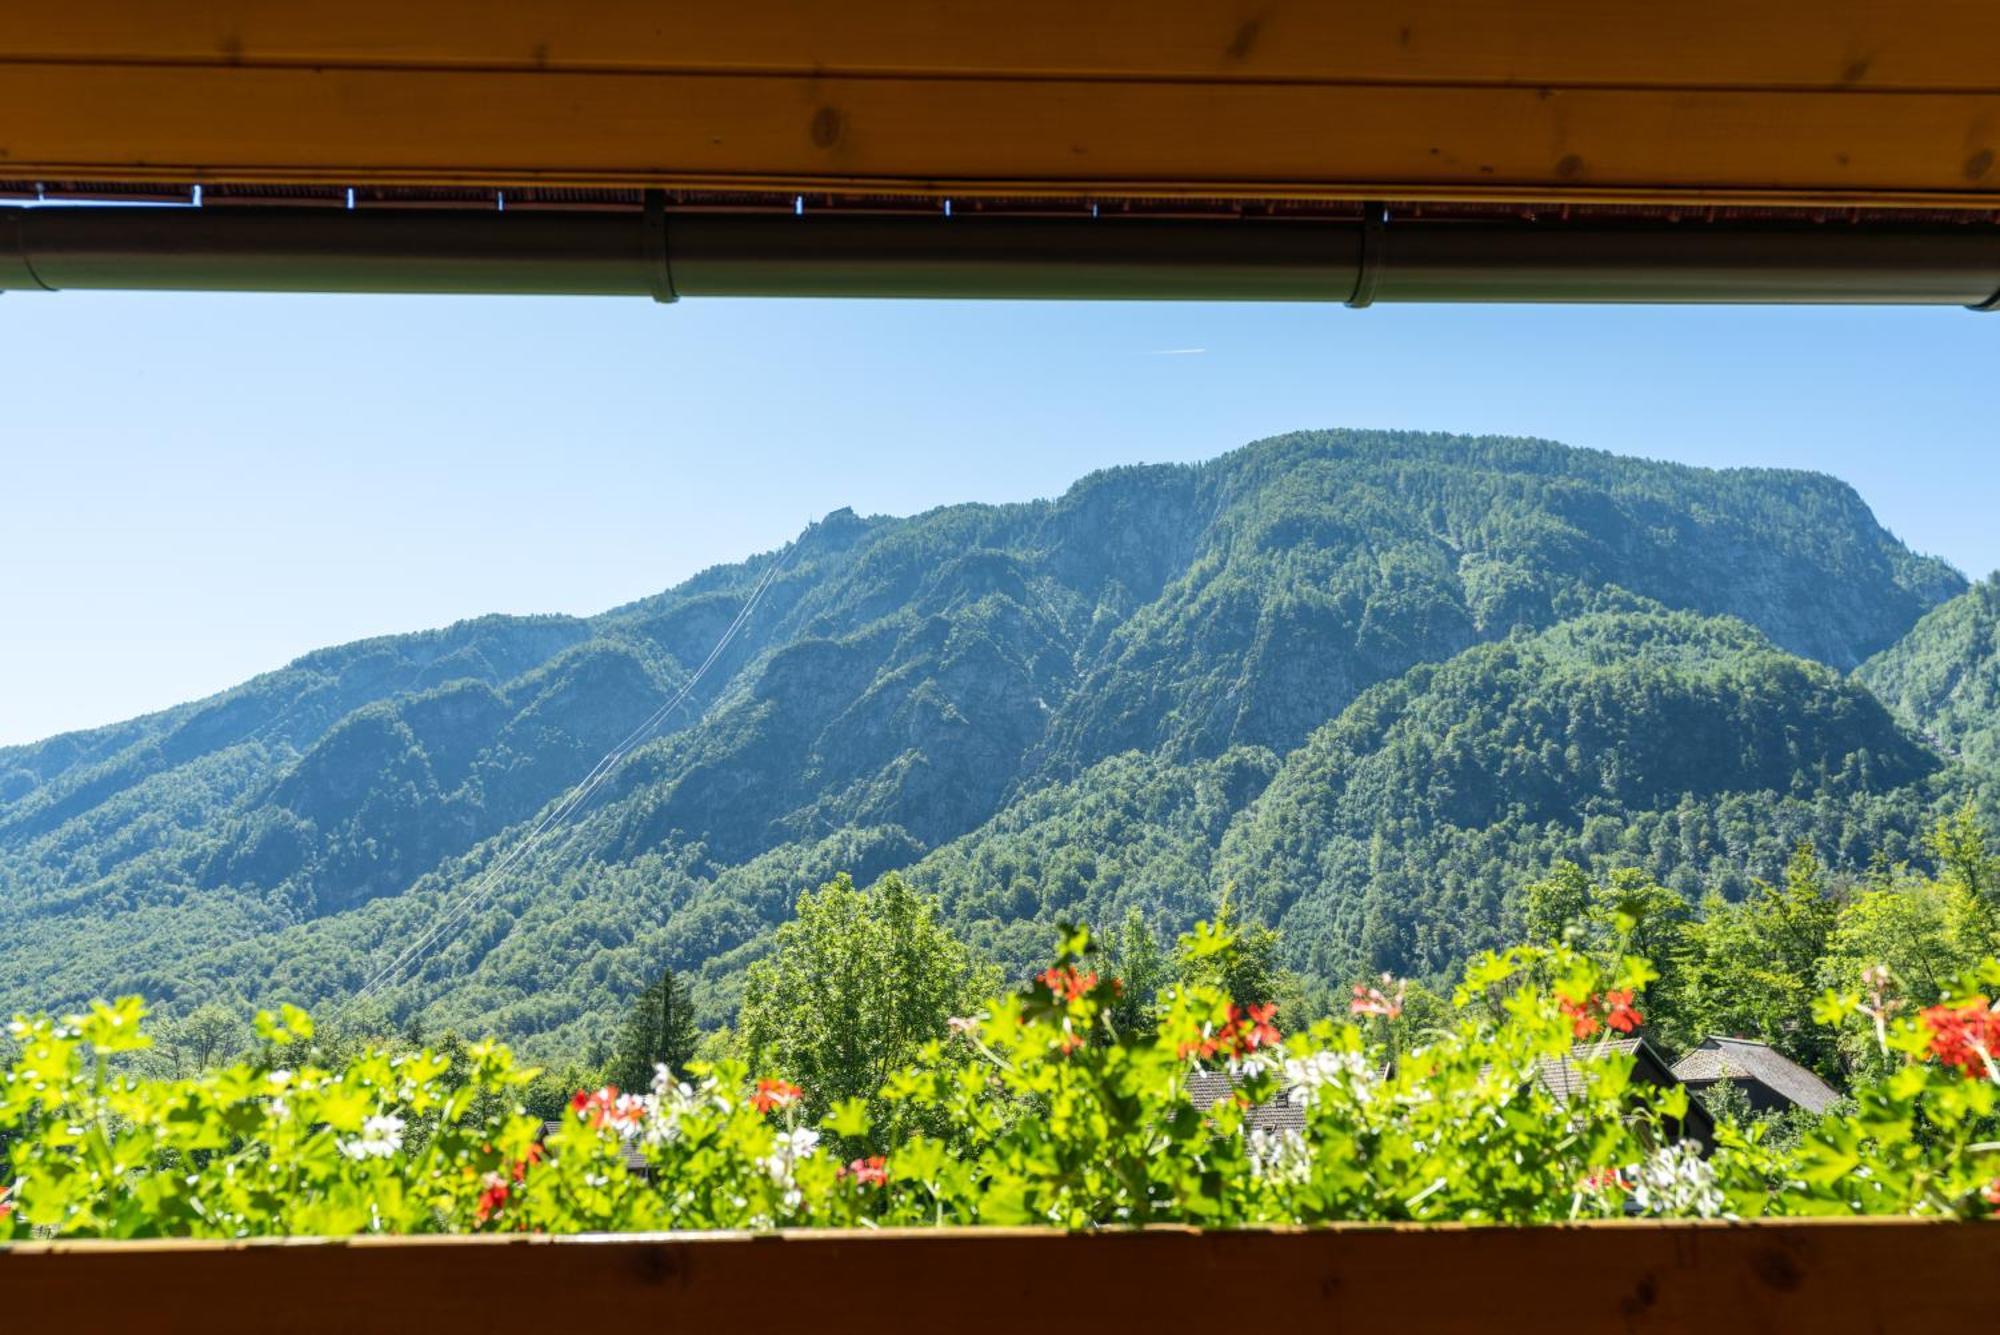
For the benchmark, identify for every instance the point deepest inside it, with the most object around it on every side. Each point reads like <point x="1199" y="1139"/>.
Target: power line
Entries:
<point x="483" y="886"/>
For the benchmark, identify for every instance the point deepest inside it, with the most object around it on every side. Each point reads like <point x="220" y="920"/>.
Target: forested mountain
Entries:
<point x="1689" y="746"/>
<point x="1376" y="679"/>
<point x="1943" y="678"/>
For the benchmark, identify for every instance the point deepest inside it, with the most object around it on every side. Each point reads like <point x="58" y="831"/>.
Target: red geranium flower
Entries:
<point x="607" y="1107"/>
<point x="1582" y="1024"/>
<point x="870" y="1172"/>
<point x="775" y="1094"/>
<point x="1620" y="1014"/>
<point x="1990" y="1193"/>
<point x="1259" y="1031"/>
<point x="1586" y="1017"/>
<point x="1244" y="1031"/>
<point x="1066" y="984"/>
<point x="1603" y="1179"/>
<point x="492" y="1198"/>
<point x="1966" y="1036"/>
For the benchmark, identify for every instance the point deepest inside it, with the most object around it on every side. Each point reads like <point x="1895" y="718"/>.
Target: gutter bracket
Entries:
<point x="659" y="268"/>
<point x="1368" y="271"/>
<point x="14" y="253"/>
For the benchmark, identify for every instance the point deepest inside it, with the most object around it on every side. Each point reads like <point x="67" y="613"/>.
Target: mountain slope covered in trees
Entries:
<point x="1943" y="678"/>
<point x="1376" y="679"/>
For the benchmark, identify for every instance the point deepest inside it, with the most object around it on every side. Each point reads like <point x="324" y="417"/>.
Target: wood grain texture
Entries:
<point x="1828" y="44"/>
<point x="1828" y="1278"/>
<point x="1718" y="101"/>
<point x="971" y="135"/>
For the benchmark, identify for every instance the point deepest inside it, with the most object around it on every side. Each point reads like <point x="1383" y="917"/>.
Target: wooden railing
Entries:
<point x="1816" y="1278"/>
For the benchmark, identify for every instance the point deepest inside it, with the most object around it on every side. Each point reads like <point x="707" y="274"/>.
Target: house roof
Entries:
<point x="1563" y="1079"/>
<point x="1721" y="1058"/>
<point x="1208" y="1088"/>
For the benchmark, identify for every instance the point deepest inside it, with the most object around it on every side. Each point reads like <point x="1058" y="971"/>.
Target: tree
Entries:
<point x="659" y="1032"/>
<point x="1625" y="914"/>
<point x="1554" y="908"/>
<point x="1753" y="968"/>
<point x="1238" y="960"/>
<point x="1425" y="1015"/>
<point x="1958" y="842"/>
<point x="1142" y="967"/>
<point x="858" y="982"/>
<point x="205" y="1038"/>
<point x="1633" y="914"/>
<point x="1915" y="927"/>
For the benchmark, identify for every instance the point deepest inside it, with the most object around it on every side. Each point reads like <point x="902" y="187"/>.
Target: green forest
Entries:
<point x="1385" y="701"/>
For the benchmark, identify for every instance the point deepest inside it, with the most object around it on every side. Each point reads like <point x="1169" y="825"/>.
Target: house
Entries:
<point x="1772" y="1081"/>
<point x="1561" y="1076"/>
<point x="1208" y="1088"/>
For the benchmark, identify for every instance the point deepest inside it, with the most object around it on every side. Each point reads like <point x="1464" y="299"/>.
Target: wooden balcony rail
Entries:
<point x="1814" y="1278"/>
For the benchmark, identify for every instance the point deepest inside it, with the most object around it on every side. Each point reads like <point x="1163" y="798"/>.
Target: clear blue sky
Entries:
<point x="198" y="488"/>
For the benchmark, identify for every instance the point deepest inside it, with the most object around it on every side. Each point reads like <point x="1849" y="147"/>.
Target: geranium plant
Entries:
<point x="1039" y="1109"/>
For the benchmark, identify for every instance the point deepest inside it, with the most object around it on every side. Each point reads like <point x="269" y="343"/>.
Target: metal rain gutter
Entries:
<point x="1377" y="258"/>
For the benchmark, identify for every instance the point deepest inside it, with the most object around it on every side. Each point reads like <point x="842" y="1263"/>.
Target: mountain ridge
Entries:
<point x="905" y="684"/>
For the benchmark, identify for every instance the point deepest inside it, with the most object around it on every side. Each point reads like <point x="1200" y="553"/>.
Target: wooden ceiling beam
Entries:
<point x="1799" y="102"/>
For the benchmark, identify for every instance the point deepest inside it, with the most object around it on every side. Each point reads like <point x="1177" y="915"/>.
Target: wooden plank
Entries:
<point x="994" y="136"/>
<point x="1828" y="1278"/>
<point x="1789" y="101"/>
<point x="1875" y="44"/>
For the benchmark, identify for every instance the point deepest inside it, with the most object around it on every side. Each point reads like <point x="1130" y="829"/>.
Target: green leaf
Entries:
<point x="849" y="1118"/>
<point x="116" y="1027"/>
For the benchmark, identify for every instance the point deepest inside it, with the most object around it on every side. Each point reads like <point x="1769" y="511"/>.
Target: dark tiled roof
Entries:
<point x="1562" y="1078"/>
<point x="1746" y="1059"/>
<point x="1208" y="1088"/>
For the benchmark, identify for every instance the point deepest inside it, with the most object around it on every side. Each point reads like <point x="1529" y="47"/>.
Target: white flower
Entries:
<point x="380" y="1137"/>
<point x="673" y="1100"/>
<point x="787" y="1149"/>
<point x="1676" y="1180"/>
<point x="633" y="1113"/>
<point x="1317" y="1071"/>
<point x="1280" y="1156"/>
